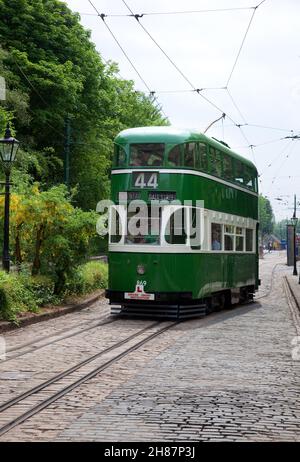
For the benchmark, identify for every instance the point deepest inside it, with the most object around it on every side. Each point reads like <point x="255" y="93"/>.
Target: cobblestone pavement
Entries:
<point x="229" y="377"/>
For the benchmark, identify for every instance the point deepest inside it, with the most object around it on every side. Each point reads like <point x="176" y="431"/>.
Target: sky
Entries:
<point x="263" y="85"/>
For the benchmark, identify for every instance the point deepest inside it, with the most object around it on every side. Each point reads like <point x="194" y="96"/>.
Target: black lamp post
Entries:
<point x="8" y="150"/>
<point x="294" y="220"/>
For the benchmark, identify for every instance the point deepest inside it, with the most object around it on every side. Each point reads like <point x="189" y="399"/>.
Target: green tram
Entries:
<point x="164" y="270"/>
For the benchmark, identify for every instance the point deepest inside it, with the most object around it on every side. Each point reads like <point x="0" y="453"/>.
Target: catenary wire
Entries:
<point x="101" y="16"/>
<point x="158" y="13"/>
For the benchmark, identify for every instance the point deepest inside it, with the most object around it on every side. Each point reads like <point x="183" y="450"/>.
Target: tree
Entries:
<point x="53" y="72"/>
<point x="266" y="216"/>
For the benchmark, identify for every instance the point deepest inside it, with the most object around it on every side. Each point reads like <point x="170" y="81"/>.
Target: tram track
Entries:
<point x="271" y="284"/>
<point x="44" y="403"/>
<point x="33" y="345"/>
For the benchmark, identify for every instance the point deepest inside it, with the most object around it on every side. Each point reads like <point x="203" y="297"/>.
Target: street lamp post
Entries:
<point x="294" y="222"/>
<point x="8" y="150"/>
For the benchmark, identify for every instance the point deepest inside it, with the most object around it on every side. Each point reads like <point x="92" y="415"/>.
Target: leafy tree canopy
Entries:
<point x="53" y="72"/>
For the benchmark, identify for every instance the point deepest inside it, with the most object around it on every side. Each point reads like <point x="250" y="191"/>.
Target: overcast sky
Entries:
<point x="265" y="83"/>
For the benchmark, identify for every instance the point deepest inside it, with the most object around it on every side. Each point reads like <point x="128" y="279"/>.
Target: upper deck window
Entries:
<point x="239" y="172"/>
<point x="174" y="157"/>
<point x="189" y="154"/>
<point x="147" y="154"/>
<point x="227" y="168"/>
<point x="203" y="161"/>
<point x="120" y="156"/>
<point x="215" y="161"/>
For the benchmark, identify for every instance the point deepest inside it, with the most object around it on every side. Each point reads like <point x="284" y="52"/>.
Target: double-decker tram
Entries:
<point x="183" y="224"/>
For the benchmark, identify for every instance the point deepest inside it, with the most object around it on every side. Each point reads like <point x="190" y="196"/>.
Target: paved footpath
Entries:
<point x="232" y="376"/>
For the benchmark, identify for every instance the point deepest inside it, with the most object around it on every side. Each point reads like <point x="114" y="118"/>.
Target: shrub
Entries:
<point x="42" y="288"/>
<point x="88" y="277"/>
<point x="14" y="297"/>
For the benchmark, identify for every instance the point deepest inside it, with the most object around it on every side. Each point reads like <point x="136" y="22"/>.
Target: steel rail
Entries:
<point x="39" y="339"/>
<point x="46" y="402"/>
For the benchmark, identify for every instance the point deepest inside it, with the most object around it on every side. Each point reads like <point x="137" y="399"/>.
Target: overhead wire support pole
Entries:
<point x="67" y="151"/>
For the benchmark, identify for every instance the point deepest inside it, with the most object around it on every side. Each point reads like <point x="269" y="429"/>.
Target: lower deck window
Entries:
<point x="175" y="229"/>
<point x="143" y="226"/>
<point x="216" y="236"/>
<point x="249" y="240"/>
<point x="229" y="237"/>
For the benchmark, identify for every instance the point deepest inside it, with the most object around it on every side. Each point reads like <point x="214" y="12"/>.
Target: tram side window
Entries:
<point x="215" y="162"/>
<point x="203" y="160"/>
<point x="143" y="226"/>
<point x="195" y="228"/>
<point x="216" y="236"/>
<point x="120" y="156"/>
<point x="239" y="239"/>
<point x="174" y="157"/>
<point x="175" y="229"/>
<point x="249" y="240"/>
<point x="189" y="154"/>
<point x="227" y="167"/>
<point x="239" y="172"/>
<point x="229" y="237"/>
<point x="249" y="178"/>
<point x="115" y="226"/>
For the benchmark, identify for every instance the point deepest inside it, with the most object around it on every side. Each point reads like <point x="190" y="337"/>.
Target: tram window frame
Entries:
<point x="145" y="239"/>
<point x="229" y="236"/>
<point x="239" y="169"/>
<point x="216" y="162"/>
<point x="115" y="215"/>
<point x="202" y="157"/>
<point x="249" y="176"/>
<point x="117" y="150"/>
<point x="239" y="237"/>
<point x="249" y="232"/>
<point x="178" y="150"/>
<point x="194" y="219"/>
<point x="220" y="234"/>
<point x="173" y="238"/>
<point x="189" y="152"/>
<point x="137" y="149"/>
<point x="227" y="167"/>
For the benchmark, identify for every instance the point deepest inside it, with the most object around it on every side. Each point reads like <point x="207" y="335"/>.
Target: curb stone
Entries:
<point x="53" y="312"/>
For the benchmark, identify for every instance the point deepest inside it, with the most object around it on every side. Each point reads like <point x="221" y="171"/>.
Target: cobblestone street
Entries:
<point x="229" y="376"/>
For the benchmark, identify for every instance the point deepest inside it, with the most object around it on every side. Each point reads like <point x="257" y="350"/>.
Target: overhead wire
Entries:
<point x="102" y="16"/>
<point x="157" y="13"/>
<point x="193" y="87"/>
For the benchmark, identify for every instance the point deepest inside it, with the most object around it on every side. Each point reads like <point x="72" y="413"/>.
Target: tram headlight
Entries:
<point x="140" y="269"/>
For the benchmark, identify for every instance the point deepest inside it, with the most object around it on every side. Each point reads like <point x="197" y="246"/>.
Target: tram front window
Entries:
<point x="147" y="154"/>
<point x="143" y="226"/>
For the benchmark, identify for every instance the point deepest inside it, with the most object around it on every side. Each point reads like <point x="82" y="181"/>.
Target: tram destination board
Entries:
<point x="161" y="195"/>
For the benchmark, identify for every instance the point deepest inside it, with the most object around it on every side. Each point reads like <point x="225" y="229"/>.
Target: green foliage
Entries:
<point x="87" y="278"/>
<point x="53" y="72"/>
<point x="266" y="216"/>
<point x="14" y="297"/>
